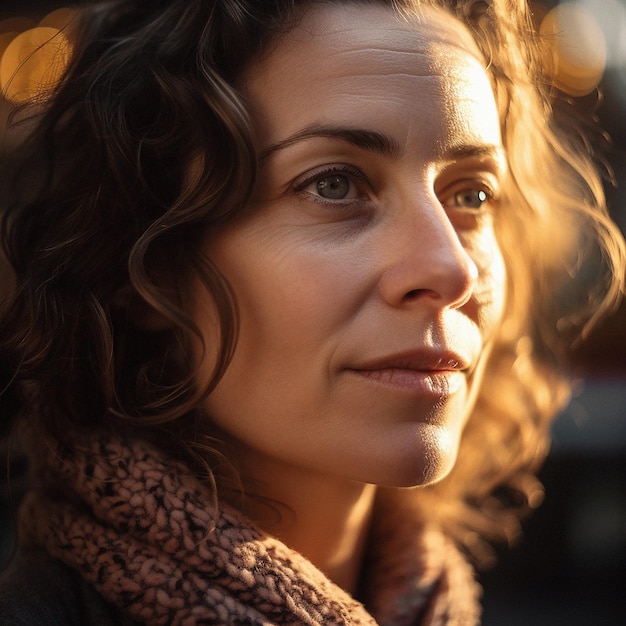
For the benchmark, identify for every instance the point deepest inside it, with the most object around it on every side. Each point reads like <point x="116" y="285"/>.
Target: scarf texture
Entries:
<point x="141" y="528"/>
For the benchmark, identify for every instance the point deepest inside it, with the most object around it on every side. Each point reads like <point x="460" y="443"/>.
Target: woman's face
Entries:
<point x="366" y="270"/>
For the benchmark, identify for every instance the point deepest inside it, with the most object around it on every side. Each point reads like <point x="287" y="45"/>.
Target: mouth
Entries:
<point x="425" y="373"/>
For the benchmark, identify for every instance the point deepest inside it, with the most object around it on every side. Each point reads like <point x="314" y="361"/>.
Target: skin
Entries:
<point x="367" y="273"/>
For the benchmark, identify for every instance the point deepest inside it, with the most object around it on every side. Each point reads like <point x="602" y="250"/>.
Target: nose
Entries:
<point x="425" y="260"/>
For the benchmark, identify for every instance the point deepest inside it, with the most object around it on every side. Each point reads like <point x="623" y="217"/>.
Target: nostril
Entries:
<point x="414" y="293"/>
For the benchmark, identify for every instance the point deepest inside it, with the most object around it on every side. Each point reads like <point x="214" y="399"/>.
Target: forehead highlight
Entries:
<point x="303" y="89"/>
<point x="322" y="23"/>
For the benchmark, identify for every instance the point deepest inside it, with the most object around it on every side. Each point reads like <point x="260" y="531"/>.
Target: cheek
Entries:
<point x="205" y="349"/>
<point x="296" y="294"/>
<point x="491" y="287"/>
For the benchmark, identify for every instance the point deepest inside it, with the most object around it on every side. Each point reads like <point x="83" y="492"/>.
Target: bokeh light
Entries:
<point x="577" y="47"/>
<point x="59" y="18"/>
<point x="33" y="56"/>
<point x="611" y="16"/>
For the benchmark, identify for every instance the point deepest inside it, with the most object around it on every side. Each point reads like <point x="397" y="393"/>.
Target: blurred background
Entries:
<point x="570" y="566"/>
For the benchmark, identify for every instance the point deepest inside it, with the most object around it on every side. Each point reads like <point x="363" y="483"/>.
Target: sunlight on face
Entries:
<point x="367" y="273"/>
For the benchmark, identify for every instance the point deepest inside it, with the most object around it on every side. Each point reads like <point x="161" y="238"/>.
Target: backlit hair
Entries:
<point x="145" y="147"/>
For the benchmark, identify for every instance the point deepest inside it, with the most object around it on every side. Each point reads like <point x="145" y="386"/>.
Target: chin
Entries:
<point x="418" y="460"/>
<point x="427" y="472"/>
<point x="439" y="456"/>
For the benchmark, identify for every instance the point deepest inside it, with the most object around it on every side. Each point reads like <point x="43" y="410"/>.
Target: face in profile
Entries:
<point x="367" y="274"/>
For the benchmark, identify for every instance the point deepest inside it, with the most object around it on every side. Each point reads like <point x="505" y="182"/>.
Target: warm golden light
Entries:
<point x="59" y="18"/>
<point x="33" y="62"/>
<point x="5" y="39"/>
<point x="577" y="46"/>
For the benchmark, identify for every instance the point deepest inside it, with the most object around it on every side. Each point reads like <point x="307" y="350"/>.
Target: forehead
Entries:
<point x="349" y="60"/>
<point x="345" y="24"/>
<point x="340" y="31"/>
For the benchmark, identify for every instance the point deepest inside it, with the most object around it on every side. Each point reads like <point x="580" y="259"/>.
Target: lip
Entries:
<point x="425" y="372"/>
<point x="419" y="360"/>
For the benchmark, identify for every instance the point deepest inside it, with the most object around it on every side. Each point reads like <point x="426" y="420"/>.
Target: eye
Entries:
<point x="470" y="204"/>
<point x="469" y="198"/>
<point x="335" y="187"/>
<point x="334" y="184"/>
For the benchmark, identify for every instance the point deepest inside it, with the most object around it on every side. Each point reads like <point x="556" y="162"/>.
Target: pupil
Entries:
<point x="472" y="199"/>
<point x="333" y="187"/>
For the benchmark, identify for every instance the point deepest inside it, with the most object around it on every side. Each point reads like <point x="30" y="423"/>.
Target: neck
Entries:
<point x="324" y="519"/>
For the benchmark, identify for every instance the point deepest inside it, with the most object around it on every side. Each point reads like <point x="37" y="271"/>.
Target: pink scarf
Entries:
<point x="140" y="528"/>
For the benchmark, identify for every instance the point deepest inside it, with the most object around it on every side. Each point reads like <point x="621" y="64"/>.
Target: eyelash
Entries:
<point x="355" y="176"/>
<point x="468" y="187"/>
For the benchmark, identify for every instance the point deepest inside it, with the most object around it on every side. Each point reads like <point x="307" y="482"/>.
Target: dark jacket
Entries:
<point x="36" y="590"/>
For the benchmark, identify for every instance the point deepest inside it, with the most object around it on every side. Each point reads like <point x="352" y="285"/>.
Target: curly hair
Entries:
<point x="145" y="146"/>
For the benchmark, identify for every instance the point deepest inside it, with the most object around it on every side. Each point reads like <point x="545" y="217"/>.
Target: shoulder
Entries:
<point x="36" y="590"/>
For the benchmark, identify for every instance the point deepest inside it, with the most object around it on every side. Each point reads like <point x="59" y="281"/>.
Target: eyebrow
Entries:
<point x="486" y="151"/>
<point x="384" y="144"/>
<point x="361" y="138"/>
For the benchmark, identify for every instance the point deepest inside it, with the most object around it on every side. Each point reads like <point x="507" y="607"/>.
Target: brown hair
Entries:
<point x="145" y="146"/>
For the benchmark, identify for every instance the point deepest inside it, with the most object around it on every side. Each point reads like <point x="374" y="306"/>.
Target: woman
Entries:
<point x="282" y="261"/>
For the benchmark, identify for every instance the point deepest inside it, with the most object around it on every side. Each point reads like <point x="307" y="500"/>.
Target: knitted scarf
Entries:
<point x="142" y="530"/>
